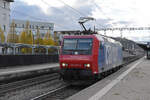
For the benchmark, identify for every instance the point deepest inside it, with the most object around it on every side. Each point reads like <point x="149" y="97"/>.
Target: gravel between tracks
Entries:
<point x="64" y="93"/>
<point x="32" y="91"/>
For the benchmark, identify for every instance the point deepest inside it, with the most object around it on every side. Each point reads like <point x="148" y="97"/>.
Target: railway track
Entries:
<point x="67" y="90"/>
<point x="5" y="88"/>
<point x="60" y="93"/>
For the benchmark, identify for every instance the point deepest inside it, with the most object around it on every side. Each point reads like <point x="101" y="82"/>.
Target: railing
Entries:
<point x="15" y="49"/>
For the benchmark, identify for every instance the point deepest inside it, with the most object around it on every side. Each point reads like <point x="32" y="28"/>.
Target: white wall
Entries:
<point x="4" y="15"/>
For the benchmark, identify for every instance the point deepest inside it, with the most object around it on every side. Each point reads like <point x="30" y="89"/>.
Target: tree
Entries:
<point x="2" y="36"/>
<point x="56" y="39"/>
<point x="12" y="37"/>
<point x="38" y="39"/>
<point x="22" y="37"/>
<point x="29" y="37"/>
<point x="26" y="37"/>
<point x="48" y="39"/>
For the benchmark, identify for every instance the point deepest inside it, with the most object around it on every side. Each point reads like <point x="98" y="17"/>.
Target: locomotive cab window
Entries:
<point x="84" y="44"/>
<point x="69" y="44"/>
<point x="77" y="46"/>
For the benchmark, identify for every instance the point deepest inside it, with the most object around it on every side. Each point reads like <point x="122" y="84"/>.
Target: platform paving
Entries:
<point x="131" y="84"/>
<point x="27" y="68"/>
<point x="135" y="86"/>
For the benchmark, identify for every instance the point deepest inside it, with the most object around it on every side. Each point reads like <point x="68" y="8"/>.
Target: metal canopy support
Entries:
<point x="32" y="50"/>
<point x="15" y="46"/>
<point x="46" y="51"/>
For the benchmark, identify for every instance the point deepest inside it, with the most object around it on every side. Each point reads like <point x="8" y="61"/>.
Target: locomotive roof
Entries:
<point x="99" y="37"/>
<point x="107" y="39"/>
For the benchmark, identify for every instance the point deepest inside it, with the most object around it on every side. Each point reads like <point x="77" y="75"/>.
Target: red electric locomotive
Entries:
<point x="85" y="57"/>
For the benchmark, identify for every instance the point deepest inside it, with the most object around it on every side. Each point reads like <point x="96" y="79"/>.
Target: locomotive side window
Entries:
<point x="148" y="54"/>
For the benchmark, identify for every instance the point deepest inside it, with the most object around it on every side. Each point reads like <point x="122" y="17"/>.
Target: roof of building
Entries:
<point x="9" y="0"/>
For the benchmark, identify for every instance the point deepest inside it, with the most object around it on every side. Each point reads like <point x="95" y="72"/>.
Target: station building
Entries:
<point x="34" y="25"/>
<point x="5" y="15"/>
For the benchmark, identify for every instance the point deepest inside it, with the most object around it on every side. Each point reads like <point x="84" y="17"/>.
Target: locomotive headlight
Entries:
<point x="87" y="65"/>
<point x="63" y="64"/>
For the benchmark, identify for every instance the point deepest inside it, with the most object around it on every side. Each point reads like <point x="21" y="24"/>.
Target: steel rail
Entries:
<point x="48" y="93"/>
<point x="27" y="83"/>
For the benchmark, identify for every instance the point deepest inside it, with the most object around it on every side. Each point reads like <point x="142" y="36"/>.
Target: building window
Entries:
<point x="15" y="25"/>
<point x="4" y="28"/>
<point x="37" y="27"/>
<point x="42" y="27"/>
<point x="22" y="25"/>
<point x="49" y="28"/>
<point x="4" y="5"/>
<point x="4" y="16"/>
<point x="32" y="26"/>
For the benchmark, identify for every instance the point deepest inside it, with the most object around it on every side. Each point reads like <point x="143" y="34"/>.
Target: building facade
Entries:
<point x="34" y="25"/>
<point x="5" y="15"/>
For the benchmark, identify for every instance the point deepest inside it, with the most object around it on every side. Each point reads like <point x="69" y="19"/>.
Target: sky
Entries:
<point x="108" y="13"/>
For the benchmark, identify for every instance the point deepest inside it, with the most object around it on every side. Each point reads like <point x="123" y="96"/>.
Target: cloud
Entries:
<point x="64" y="17"/>
<point x="21" y="10"/>
<point x="108" y="13"/>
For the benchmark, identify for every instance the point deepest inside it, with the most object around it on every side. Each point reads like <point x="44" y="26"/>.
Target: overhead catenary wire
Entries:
<point x="82" y="14"/>
<point x="70" y="16"/>
<point x="38" y="19"/>
<point x="101" y="11"/>
<point x="79" y="13"/>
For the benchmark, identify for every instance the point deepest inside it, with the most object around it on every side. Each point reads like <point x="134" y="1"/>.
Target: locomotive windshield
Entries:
<point x="77" y="46"/>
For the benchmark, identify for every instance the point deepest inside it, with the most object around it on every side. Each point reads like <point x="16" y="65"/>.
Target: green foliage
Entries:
<point x="48" y="39"/>
<point x="2" y="36"/>
<point x="22" y="37"/>
<point x="56" y="40"/>
<point x="29" y="37"/>
<point x="26" y="37"/>
<point x="38" y="39"/>
<point x="12" y="37"/>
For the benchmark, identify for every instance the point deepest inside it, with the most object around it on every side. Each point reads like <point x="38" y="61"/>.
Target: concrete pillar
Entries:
<point x="58" y="50"/>
<point x="0" y="50"/>
<point x="5" y="50"/>
<point x="47" y="51"/>
<point x="32" y="50"/>
<point x="14" y="50"/>
<point x="19" y="50"/>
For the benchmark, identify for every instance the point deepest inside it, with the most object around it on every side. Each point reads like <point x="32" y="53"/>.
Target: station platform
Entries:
<point x="27" y="68"/>
<point x="132" y="82"/>
<point x="13" y="73"/>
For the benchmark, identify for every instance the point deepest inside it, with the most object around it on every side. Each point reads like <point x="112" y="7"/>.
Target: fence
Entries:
<point x="16" y="60"/>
